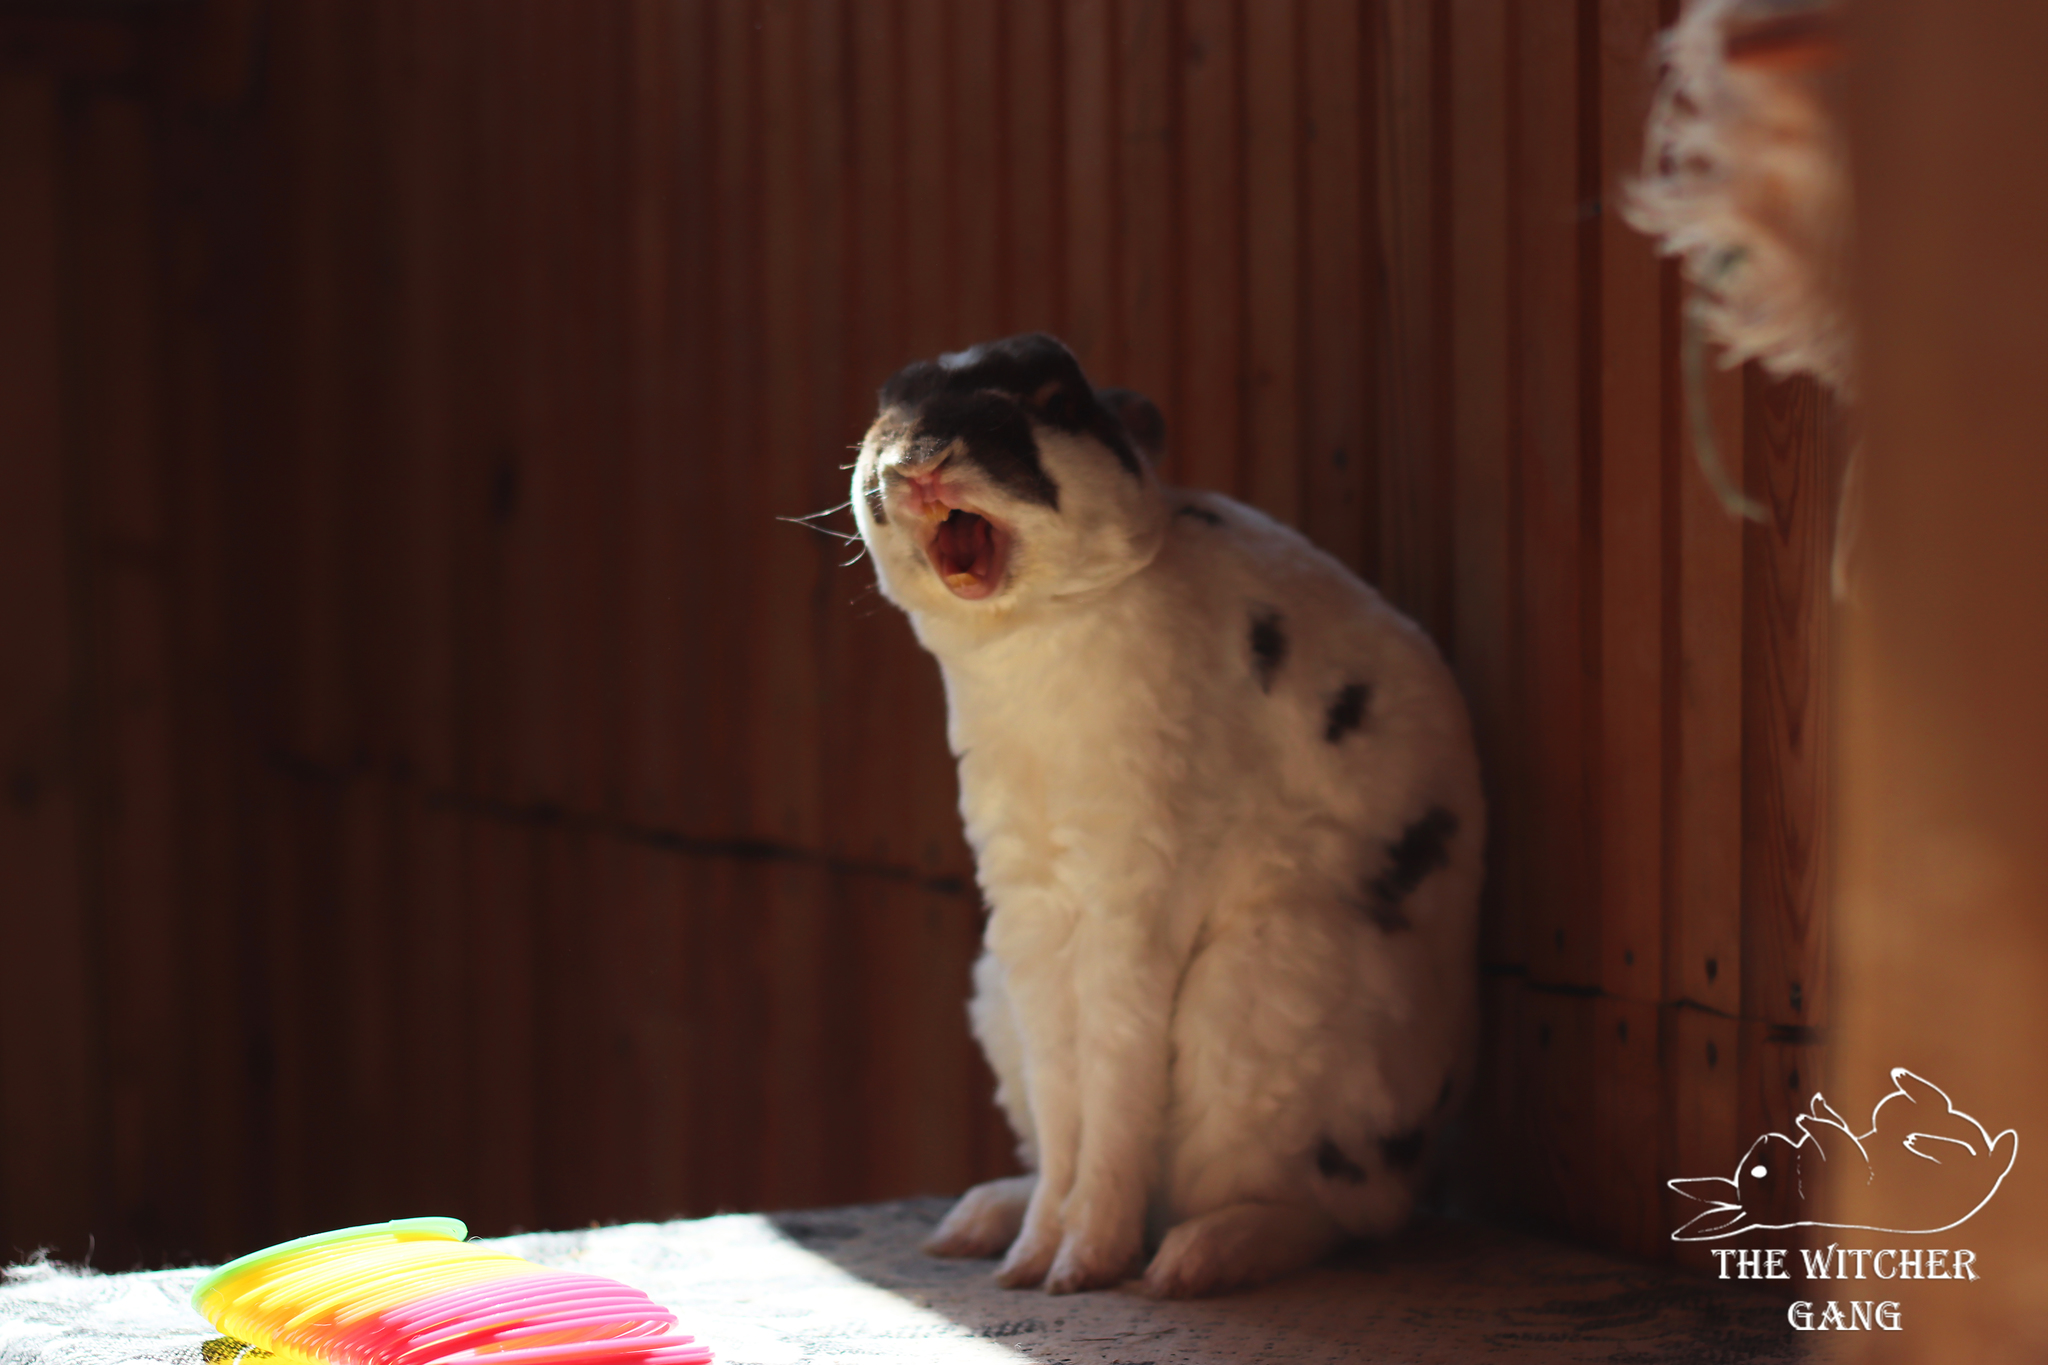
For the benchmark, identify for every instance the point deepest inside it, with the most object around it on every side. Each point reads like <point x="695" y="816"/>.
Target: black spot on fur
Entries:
<point x="1334" y="1165"/>
<point x="1404" y="1150"/>
<point x="991" y="432"/>
<point x="1201" y="514"/>
<point x="876" y="504"/>
<point x="992" y="393"/>
<point x="1347" y="711"/>
<point x="1421" y="850"/>
<point x="1269" y="647"/>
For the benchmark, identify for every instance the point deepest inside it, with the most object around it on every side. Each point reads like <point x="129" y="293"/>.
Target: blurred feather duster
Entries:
<point x="1746" y="181"/>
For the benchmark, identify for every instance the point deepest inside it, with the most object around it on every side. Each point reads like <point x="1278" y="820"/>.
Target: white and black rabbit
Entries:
<point x="1227" y="818"/>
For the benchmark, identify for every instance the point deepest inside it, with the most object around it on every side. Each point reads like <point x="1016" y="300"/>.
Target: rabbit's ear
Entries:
<point x="1713" y="1189"/>
<point x="1720" y="1221"/>
<point x="1824" y="1111"/>
<point x="1920" y="1091"/>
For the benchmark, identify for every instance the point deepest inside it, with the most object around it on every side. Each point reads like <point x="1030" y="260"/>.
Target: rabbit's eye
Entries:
<point x="1757" y="1173"/>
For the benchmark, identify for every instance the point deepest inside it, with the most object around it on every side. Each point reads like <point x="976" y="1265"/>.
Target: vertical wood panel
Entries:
<point x="1627" y="1195"/>
<point x="315" y="310"/>
<point x="1554" y="630"/>
<point x="1339" y="457"/>
<point x="1702" y="1113"/>
<point x="416" y="86"/>
<point x="783" y="706"/>
<point x="1785" y="758"/>
<point x="871" y="660"/>
<point x="1087" y="71"/>
<point x="1206" y="429"/>
<point x="1778" y="1078"/>
<point x="733" y="432"/>
<point x="1631" y="602"/>
<point x="606" y="145"/>
<point x="1270" y="475"/>
<point x="47" y="1119"/>
<point x="930" y="226"/>
<point x="500" y="880"/>
<point x="572" y="889"/>
<point x="1553" y="892"/>
<point x="130" y="768"/>
<point x="433" y="981"/>
<point x="1414" y="475"/>
<point x="666" y="360"/>
<point x="1704" y="954"/>
<point x="358" y="1150"/>
<point x="1558" y="1153"/>
<point x="978" y="230"/>
<point x="1033" y="187"/>
<point x="1148" y="214"/>
<point x="654" y="956"/>
<point x="1483" y="515"/>
<point x="231" y="1167"/>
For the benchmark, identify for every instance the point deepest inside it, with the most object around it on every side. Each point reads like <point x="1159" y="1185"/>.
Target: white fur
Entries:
<point x="1182" y="995"/>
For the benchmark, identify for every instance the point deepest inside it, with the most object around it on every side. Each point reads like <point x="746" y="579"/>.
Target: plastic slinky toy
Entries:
<point x="413" y="1292"/>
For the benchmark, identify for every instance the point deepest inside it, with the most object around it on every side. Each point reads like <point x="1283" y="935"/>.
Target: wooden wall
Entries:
<point x="435" y="779"/>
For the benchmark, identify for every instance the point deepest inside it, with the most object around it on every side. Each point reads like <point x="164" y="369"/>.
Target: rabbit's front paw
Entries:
<point x="1093" y="1262"/>
<point x="985" y="1220"/>
<point x="1238" y="1245"/>
<point x="1031" y="1255"/>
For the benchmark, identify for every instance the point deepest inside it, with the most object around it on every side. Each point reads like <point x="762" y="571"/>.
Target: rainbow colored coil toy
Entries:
<point x="412" y="1292"/>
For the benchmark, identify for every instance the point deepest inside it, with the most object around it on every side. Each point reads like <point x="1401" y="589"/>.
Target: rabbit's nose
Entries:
<point x="925" y="495"/>
<point x="925" y="454"/>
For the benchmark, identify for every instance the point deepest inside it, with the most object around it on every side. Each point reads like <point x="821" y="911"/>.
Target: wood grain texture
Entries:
<point x="1210" y="431"/>
<point x="1700" y="1128"/>
<point x="1559" y="1153"/>
<point x="1558" y="467"/>
<point x="1703" y="959"/>
<point x="1270" y="473"/>
<point x="1483" y="518"/>
<point x="413" y="654"/>
<point x="1786" y="757"/>
<point x="130" y="773"/>
<point x="1091" y="190"/>
<point x="1415" y="548"/>
<point x="1147" y="51"/>
<point x="1033" y="188"/>
<point x="1631" y="602"/>
<point x="49" y="1111"/>
<point x="1781" y="1070"/>
<point x="1627" y="1197"/>
<point x="1338" y="453"/>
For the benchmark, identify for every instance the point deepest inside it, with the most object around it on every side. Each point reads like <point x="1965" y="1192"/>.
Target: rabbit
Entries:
<point x="1927" y="1167"/>
<point x="1227" y="820"/>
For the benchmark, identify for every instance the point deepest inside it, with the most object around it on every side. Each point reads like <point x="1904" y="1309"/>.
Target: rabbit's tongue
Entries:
<point x="964" y="553"/>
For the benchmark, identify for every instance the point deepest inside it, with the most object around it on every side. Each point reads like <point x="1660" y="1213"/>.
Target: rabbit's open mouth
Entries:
<point x="967" y="552"/>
